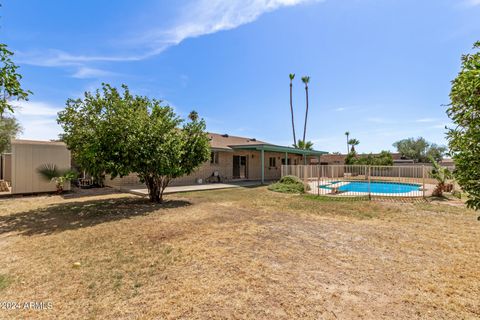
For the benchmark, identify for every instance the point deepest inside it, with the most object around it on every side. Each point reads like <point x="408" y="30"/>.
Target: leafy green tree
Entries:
<point x="384" y="158"/>
<point x="304" y="145"/>
<point x="10" y="87"/>
<point x="464" y="139"/>
<point x="419" y="150"/>
<point x="9" y="128"/>
<point x="117" y="133"/>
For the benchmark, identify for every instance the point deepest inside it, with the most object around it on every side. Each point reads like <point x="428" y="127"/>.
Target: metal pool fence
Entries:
<point x="365" y="181"/>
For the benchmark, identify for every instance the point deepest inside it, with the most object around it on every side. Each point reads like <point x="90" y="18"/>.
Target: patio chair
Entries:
<point x="215" y="178"/>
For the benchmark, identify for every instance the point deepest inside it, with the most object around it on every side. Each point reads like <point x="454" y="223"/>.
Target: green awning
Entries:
<point x="274" y="148"/>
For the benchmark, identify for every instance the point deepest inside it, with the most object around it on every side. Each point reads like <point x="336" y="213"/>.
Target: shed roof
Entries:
<point x="38" y="142"/>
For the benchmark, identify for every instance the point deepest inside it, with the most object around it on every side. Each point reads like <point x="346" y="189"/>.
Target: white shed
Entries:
<point x="26" y="157"/>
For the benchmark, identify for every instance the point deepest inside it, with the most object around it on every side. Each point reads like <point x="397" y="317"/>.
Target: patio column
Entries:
<point x="263" y="165"/>
<point x="304" y="158"/>
<point x="286" y="158"/>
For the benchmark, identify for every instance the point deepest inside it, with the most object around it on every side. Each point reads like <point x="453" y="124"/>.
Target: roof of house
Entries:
<point x="225" y="142"/>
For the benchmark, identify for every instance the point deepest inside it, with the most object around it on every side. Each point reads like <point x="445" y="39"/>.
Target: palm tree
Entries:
<point x="305" y="80"/>
<point x="304" y="145"/>
<point x="442" y="175"/>
<point x="292" y="76"/>
<point x="353" y="143"/>
<point x="347" y="133"/>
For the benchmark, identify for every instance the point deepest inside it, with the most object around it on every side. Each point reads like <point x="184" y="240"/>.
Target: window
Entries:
<point x="214" y="157"/>
<point x="272" y="162"/>
<point x="289" y="161"/>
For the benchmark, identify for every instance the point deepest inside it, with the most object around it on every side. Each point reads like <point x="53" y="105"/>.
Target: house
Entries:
<point x="18" y="169"/>
<point x="237" y="158"/>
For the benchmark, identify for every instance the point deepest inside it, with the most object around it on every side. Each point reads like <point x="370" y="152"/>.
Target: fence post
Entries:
<point x="369" y="191"/>
<point x="318" y="182"/>
<point x="423" y="180"/>
<point x="305" y="173"/>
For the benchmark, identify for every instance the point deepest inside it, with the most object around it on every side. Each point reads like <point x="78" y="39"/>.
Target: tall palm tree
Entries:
<point x="347" y="133"/>
<point x="292" y="76"/>
<point x="305" y="80"/>
<point x="353" y="143"/>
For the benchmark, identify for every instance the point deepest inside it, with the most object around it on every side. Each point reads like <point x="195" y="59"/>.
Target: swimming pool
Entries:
<point x="372" y="187"/>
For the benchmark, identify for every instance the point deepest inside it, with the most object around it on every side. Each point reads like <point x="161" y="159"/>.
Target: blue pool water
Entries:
<point x="375" y="187"/>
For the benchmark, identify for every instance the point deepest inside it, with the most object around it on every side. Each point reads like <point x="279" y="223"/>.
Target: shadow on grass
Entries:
<point x="76" y="215"/>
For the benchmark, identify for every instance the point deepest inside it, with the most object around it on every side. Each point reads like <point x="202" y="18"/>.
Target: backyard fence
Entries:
<point x="365" y="181"/>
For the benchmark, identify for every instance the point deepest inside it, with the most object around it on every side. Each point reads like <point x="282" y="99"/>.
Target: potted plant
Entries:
<point x="51" y="173"/>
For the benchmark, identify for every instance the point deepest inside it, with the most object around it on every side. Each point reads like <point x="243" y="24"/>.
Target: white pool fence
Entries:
<point x="364" y="180"/>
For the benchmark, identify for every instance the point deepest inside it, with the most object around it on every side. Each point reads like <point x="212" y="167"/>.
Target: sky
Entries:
<point x="380" y="69"/>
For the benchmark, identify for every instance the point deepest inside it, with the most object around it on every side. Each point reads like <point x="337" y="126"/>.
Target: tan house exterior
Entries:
<point x="236" y="158"/>
<point x="19" y="168"/>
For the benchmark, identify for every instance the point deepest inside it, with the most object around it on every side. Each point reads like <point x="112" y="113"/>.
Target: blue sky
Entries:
<point x="380" y="69"/>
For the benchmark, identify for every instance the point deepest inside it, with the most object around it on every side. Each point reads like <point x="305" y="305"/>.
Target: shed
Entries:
<point x="20" y="166"/>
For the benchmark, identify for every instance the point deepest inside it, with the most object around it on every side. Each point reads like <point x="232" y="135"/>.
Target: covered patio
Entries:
<point x="262" y="148"/>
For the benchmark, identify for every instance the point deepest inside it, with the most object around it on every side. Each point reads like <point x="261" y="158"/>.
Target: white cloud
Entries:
<point x="472" y="2"/>
<point x="197" y="18"/>
<point x="425" y="120"/>
<point x="34" y="108"/>
<point x="378" y="120"/>
<point x="38" y="119"/>
<point x="340" y="109"/>
<point x="441" y="125"/>
<point x="59" y="58"/>
<point x="87" y="73"/>
<point x="209" y="16"/>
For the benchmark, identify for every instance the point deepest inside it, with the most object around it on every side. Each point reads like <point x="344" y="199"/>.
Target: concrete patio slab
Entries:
<point x="143" y="191"/>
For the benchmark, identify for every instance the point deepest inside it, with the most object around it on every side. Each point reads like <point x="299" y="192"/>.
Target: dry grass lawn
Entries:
<point x="242" y="253"/>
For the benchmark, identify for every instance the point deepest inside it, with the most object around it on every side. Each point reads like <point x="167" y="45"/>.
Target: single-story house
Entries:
<point x="237" y="158"/>
<point x="18" y="169"/>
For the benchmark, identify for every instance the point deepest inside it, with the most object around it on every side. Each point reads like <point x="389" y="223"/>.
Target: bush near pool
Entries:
<point x="289" y="184"/>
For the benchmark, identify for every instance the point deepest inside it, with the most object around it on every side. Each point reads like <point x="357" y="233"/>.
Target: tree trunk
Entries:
<point x="306" y="114"/>
<point x="156" y="186"/>
<point x="291" y="112"/>
<point x="348" y="145"/>
<point x="438" y="192"/>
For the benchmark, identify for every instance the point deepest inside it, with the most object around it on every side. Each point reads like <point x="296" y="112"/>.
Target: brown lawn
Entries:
<point x="243" y="253"/>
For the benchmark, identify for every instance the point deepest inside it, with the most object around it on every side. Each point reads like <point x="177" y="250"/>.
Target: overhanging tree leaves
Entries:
<point x="10" y="88"/>
<point x="118" y="134"/>
<point x="9" y="128"/>
<point x="464" y="139"/>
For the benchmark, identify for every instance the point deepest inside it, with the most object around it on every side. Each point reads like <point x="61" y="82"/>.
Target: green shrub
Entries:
<point x="289" y="184"/>
<point x="291" y="180"/>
